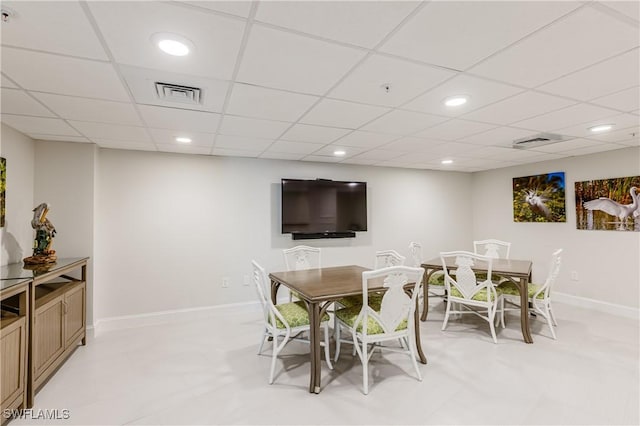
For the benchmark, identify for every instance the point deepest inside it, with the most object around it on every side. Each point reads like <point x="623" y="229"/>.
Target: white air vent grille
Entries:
<point x="177" y="93"/>
<point x="537" y="140"/>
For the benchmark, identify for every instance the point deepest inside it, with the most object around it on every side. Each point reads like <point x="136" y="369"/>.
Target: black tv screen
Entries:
<point x="320" y="206"/>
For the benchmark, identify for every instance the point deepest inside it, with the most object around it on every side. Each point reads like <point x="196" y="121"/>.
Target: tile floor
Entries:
<point x="207" y="372"/>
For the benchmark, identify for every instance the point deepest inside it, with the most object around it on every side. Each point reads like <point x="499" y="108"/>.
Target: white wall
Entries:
<point x="170" y="226"/>
<point x="64" y="178"/>
<point x="607" y="262"/>
<point x="17" y="235"/>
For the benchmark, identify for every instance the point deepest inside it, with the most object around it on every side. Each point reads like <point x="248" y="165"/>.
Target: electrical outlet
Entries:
<point x="574" y="275"/>
<point x="225" y="282"/>
<point x="245" y="280"/>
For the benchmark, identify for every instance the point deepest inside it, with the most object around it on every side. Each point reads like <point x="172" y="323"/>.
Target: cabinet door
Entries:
<point x="12" y="358"/>
<point x="48" y="332"/>
<point x="74" y="320"/>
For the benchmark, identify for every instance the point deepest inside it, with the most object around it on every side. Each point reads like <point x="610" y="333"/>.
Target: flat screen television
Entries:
<point x="323" y="208"/>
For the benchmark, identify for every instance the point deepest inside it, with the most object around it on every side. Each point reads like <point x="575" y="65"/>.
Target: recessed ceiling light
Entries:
<point x="182" y="139"/>
<point x="454" y="101"/>
<point x="601" y="128"/>
<point x="339" y="153"/>
<point x="172" y="44"/>
<point x="447" y="161"/>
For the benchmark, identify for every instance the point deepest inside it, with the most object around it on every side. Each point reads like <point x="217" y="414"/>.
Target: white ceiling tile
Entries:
<point x="517" y="108"/>
<point x="127" y="145"/>
<point x="629" y="8"/>
<point x="454" y="129"/>
<point x="329" y="150"/>
<point x="502" y="154"/>
<point x="567" y="145"/>
<point x="405" y="79"/>
<point x="64" y="75"/>
<point x="593" y="149"/>
<point x="179" y="119"/>
<point x="575" y="114"/>
<point x="403" y="122"/>
<point x="54" y="26"/>
<point x="40" y="125"/>
<point x="235" y="7"/>
<point x="251" y="127"/>
<point x="294" y="147"/>
<point x="281" y="156"/>
<point x="322" y="159"/>
<point x="84" y="109"/>
<point x="242" y="143"/>
<point x="111" y="131"/>
<point x="379" y="154"/>
<point x="575" y="45"/>
<point x="40" y="137"/>
<point x="224" y="152"/>
<point x="142" y="83"/>
<point x="309" y="133"/>
<point x="459" y="34"/>
<point x="481" y="163"/>
<point x="5" y="82"/>
<point x="128" y="27"/>
<point x="481" y="92"/>
<point x="619" y="135"/>
<point x="168" y="137"/>
<point x="366" y="139"/>
<point x="260" y="102"/>
<point x="417" y="157"/>
<point x="348" y="115"/>
<point x="288" y="61"/>
<point x="620" y="122"/>
<point x="502" y="136"/>
<point x="451" y="149"/>
<point x="360" y="161"/>
<point x="184" y="149"/>
<point x="16" y="101"/>
<point x="359" y="23"/>
<point x="599" y="80"/>
<point x="625" y="100"/>
<point x="413" y="145"/>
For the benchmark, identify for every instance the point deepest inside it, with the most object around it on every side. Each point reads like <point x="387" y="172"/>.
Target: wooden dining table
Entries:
<point x="319" y="288"/>
<point x="516" y="271"/>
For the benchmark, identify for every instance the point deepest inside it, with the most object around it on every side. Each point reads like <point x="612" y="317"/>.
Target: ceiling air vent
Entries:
<point x="537" y="140"/>
<point x="177" y="93"/>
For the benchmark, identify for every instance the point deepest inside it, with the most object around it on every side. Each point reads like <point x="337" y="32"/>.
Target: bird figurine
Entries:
<point x="537" y="203"/>
<point x="613" y="208"/>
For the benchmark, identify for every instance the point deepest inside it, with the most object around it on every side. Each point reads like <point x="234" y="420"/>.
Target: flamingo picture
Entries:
<point x="613" y="208"/>
<point x="537" y="203"/>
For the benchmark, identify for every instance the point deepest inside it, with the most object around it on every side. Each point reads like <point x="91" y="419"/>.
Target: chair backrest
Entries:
<point x="492" y="248"/>
<point x="302" y="257"/>
<point x="260" y="279"/>
<point x="415" y="251"/>
<point x="397" y="305"/>
<point x="554" y="270"/>
<point x="386" y="258"/>
<point x="463" y="278"/>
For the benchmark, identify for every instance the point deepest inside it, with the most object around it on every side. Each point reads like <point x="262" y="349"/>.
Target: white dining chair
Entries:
<point x="435" y="286"/>
<point x="371" y="326"/>
<point x="301" y="257"/>
<point x="492" y="248"/>
<point x="539" y="295"/>
<point x="287" y="321"/>
<point x="386" y="258"/>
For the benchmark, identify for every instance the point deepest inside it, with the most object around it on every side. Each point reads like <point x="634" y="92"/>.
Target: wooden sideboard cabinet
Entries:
<point x="14" y="322"/>
<point x="55" y="318"/>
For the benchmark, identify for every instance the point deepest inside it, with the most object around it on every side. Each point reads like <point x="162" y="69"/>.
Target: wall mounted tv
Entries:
<point x="323" y="208"/>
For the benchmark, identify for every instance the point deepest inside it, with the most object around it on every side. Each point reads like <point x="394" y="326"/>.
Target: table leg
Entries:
<point x="425" y="293"/>
<point x="274" y="291"/>
<point x="314" y="343"/>
<point x="423" y="359"/>
<point x="524" y="310"/>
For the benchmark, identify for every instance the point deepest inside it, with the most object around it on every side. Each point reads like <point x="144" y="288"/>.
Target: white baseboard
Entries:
<point x="163" y="317"/>
<point x="597" y="305"/>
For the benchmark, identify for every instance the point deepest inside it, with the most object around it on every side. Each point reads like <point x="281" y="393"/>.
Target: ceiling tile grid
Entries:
<point x="302" y="80"/>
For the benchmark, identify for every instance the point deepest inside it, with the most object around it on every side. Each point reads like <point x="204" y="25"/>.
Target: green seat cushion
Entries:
<point x="482" y="276"/>
<point x="511" y="289"/>
<point x="375" y="300"/>
<point x="479" y="296"/>
<point x="295" y="313"/>
<point x="349" y="316"/>
<point x="437" y="278"/>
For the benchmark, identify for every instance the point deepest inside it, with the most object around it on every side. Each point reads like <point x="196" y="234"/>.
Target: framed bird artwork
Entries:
<point x="539" y="198"/>
<point x="608" y="204"/>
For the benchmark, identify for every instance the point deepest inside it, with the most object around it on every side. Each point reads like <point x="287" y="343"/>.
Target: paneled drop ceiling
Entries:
<point x="301" y="80"/>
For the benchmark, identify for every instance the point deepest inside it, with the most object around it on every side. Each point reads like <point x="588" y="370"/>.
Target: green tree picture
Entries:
<point x="539" y="198"/>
